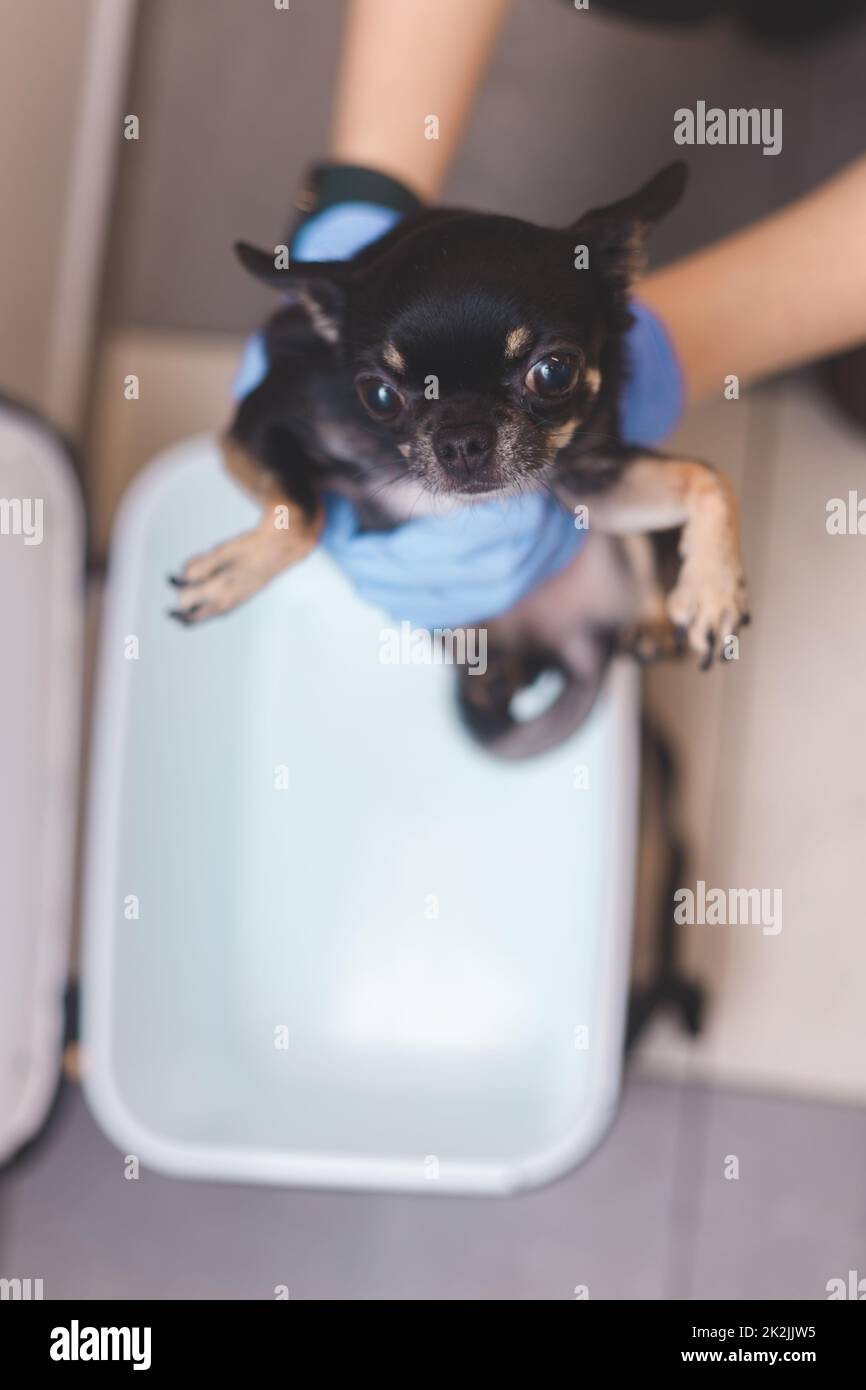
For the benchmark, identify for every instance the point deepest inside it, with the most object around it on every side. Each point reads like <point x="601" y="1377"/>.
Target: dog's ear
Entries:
<point x="319" y="286"/>
<point x="619" y="231"/>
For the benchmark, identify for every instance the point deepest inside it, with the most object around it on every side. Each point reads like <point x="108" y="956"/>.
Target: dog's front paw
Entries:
<point x="709" y="603"/>
<point x="217" y="582"/>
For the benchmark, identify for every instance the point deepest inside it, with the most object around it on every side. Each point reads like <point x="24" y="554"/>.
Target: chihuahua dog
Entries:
<point x="529" y="359"/>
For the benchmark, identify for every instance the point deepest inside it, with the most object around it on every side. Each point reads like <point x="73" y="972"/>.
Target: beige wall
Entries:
<point x="62" y="71"/>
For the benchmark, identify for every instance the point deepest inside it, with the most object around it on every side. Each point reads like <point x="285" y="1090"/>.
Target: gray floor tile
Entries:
<point x="71" y="1218"/>
<point x="796" y="1216"/>
<point x="650" y="1216"/>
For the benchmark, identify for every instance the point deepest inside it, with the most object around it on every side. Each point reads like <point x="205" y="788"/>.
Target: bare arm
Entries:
<point x="788" y="290"/>
<point x="404" y="60"/>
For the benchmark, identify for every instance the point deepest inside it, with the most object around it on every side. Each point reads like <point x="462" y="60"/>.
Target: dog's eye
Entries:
<point x="383" y="400"/>
<point x="554" y="375"/>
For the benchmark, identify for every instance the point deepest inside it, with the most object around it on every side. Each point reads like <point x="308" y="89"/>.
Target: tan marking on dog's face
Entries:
<point x="563" y="434"/>
<point x="517" y="341"/>
<point x="394" y="358"/>
<point x="593" y="379"/>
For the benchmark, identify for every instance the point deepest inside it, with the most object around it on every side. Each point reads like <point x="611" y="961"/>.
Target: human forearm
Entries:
<point x="788" y="290"/>
<point x="416" y="60"/>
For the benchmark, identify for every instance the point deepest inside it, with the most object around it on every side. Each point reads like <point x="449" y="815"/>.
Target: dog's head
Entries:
<point x="479" y="342"/>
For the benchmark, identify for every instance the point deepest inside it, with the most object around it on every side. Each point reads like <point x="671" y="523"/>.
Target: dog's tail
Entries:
<point x="511" y="727"/>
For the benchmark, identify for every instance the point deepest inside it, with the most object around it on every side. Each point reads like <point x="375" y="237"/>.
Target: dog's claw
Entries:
<point x="177" y="580"/>
<point x="708" y="600"/>
<point x="185" y="616"/>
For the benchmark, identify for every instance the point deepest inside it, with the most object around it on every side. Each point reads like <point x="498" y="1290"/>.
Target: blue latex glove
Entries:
<point x="460" y="568"/>
<point x="479" y="560"/>
<point x="654" y="396"/>
<point x="338" y="232"/>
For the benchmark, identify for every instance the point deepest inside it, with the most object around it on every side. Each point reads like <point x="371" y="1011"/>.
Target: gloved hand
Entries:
<point x="480" y="559"/>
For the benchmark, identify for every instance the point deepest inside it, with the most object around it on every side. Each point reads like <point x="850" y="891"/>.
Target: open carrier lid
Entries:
<point x="42" y="550"/>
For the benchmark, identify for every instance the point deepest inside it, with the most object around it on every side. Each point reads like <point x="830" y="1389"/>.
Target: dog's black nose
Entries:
<point x="464" y="449"/>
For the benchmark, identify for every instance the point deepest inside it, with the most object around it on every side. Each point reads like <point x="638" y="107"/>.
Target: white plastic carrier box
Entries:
<point x="328" y="940"/>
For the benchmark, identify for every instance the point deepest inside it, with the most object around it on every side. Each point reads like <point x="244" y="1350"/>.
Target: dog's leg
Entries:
<point x="650" y="635"/>
<point x="565" y="627"/>
<point x="654" y="493"/>
<point x="221" y="579"/>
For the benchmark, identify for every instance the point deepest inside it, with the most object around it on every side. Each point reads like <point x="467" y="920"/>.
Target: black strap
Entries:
<point x="327" y="184"/>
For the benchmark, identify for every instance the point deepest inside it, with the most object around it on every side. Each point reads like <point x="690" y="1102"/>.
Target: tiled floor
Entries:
<point x="650" y="1216"/>
<point x="796" y="1217"/>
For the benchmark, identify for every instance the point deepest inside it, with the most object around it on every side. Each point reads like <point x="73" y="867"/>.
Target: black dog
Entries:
<point x="527" y="354"/>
